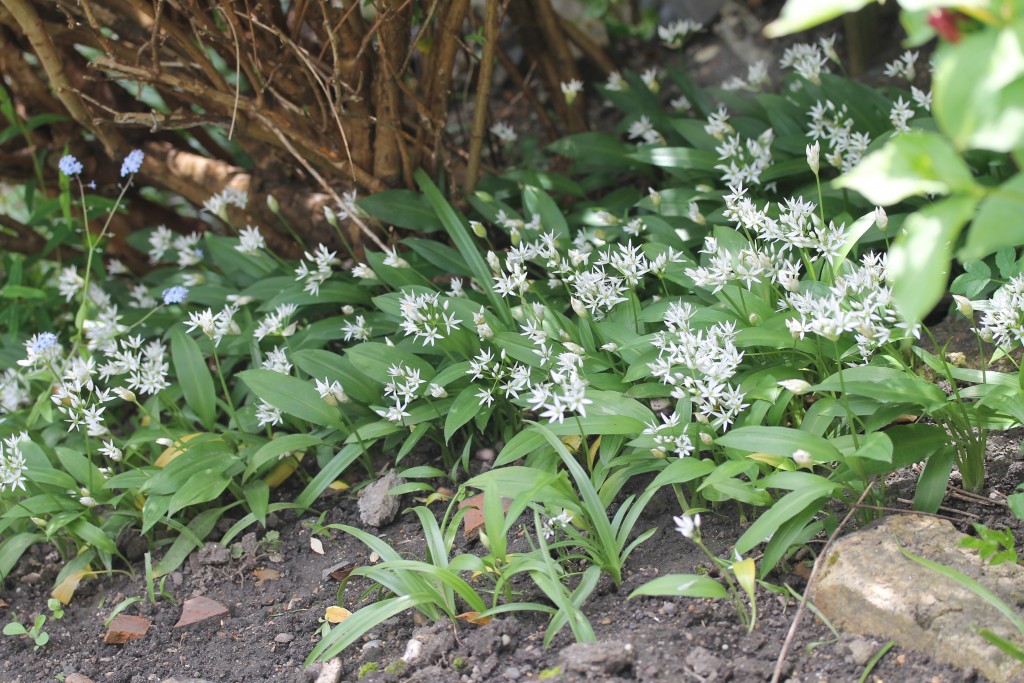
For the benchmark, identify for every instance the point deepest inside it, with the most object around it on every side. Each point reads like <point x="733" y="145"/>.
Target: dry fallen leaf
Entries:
<point x="125" y="627"/>
<point x="199" y="609"/>
<point x="336" y="615"/>
<point x="4" y="603"/>
<point x="316" y="545"/>
<point x="474" y="618"/>
<point x="266" y="575"/>
<point x="474" y="517"/>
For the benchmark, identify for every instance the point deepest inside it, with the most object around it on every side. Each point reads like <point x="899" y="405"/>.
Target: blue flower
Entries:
<point x="175" y="295"/>
<point x="132" y="163"/>
<point x="69" y="165"/>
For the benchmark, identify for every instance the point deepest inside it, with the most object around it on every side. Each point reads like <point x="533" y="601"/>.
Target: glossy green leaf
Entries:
<point x="931" y="486"/>
<point x="913" y="163"/>
<point x="291" y="396"/>
<point x="919" y="259"/>
<point x="193" y="377"/>
<point x="998" y="222"/>
<point x="465" y="407"/>
<point x="778" y="441"/>
<point x="800" y="15"/>
<point x="977" y="88"/>
<point x="682" y="586"/>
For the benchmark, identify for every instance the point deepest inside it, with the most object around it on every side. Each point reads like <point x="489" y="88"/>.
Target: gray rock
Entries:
<point x="177" y="679"/>
<point x="868" y="586"/>
<point x="861" y="650"/>
<point x="372" y="649"/>
<point x="77" y="678"/>
<point x="284" y="638"/>
<point x="214" y="553"/>
<point x="513" y="673"/>
<point x="602" y="658"/>
<point x="669" y="608"/>
<point x="705" y="663"/>
<point x="376" y="506"/>
<point x="330" y="672"/>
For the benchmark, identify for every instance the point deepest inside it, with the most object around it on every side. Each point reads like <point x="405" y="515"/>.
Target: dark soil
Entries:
<point x="670" y="639"/>
<point x="273" y="624"/>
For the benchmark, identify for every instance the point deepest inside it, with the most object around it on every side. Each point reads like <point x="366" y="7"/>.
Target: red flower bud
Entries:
<point x="944" y="22"/>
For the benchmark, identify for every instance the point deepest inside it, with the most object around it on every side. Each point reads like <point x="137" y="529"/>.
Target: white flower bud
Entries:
<point x="332" y="218"/>
<point x="348" y="309"/>
<point x="655" y="197"/>
<point x="881" y="219"/>
<point x="706" y="439"/>
<point x="802" y="458"/>
<point x="754" y="319"/>
<point x="813" y="156"/>
<point x="798" y="386"/>
<point x="272" y="204"/>
<point x="963" y="305"/>
<point x="478" y="229"/>
<point x="125" y="394"/>
<point x="494" y="262"/>
<point x="580" y="309"/>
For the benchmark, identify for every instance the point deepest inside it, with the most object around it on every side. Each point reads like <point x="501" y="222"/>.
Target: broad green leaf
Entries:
<point x="292" y="396"/>
<point x="201" y="487"/>
<point x="919" y="258"/>
<point x="257" y="495"/>
<point x="538" y="201"/>
<point x="193" y="377"/>
<point x="373" y="359"/>
<point x="998" y="223"/>
<point x="778" y="441"/>
<point x="978" y="85"/>
<point x="465" y="407"/>
<point x="931" y="486"/>
<point x="790" y="505"/>
<point x="677" y="157"/>
<point x="13" y="547"/>
<point x="402" y="208"/>
<point x="273" y="450"/>
<point x="886" y="385"/>
<point x="913" y="163"/>
<point x="683" y="586"/>
<point x="800" y="15"/>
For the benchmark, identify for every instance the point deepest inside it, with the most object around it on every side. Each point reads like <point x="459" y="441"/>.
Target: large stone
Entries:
<point x="376" y="506"/>
<point x="868" y="586"/>
<point x="600" y="659"/>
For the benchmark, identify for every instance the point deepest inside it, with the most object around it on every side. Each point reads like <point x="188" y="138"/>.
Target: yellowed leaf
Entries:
<point x="283" y="470"/>
<point x="174" y="450"/>
<point x="572" y="442"/>
<point x="474" y="618"/>
<point x="65" y="590"/>
<point x="336" y="615"/>
<point x="316" y="545"/>
<point x="338" y="485"/>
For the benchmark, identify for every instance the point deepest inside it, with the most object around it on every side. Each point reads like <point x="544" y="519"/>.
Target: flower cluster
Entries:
<point x="12" y="463"/>
<point x="1002" y="320"/>
<point x="323" y="261"/>
<point x="425" y="317"/>
<point x="698" y="364"/>
<point x="834" y="125"/>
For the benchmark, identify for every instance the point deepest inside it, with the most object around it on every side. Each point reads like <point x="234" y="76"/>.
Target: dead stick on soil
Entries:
<point x="791" y="634"/>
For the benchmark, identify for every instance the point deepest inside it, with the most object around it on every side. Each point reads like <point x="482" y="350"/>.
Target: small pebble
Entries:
<point x="512" y="673"/>
<point x="372" y="649"/>
<point x="485" y="454"/>
<point x="284" y="638"/>
<point x="506" y="640"/>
